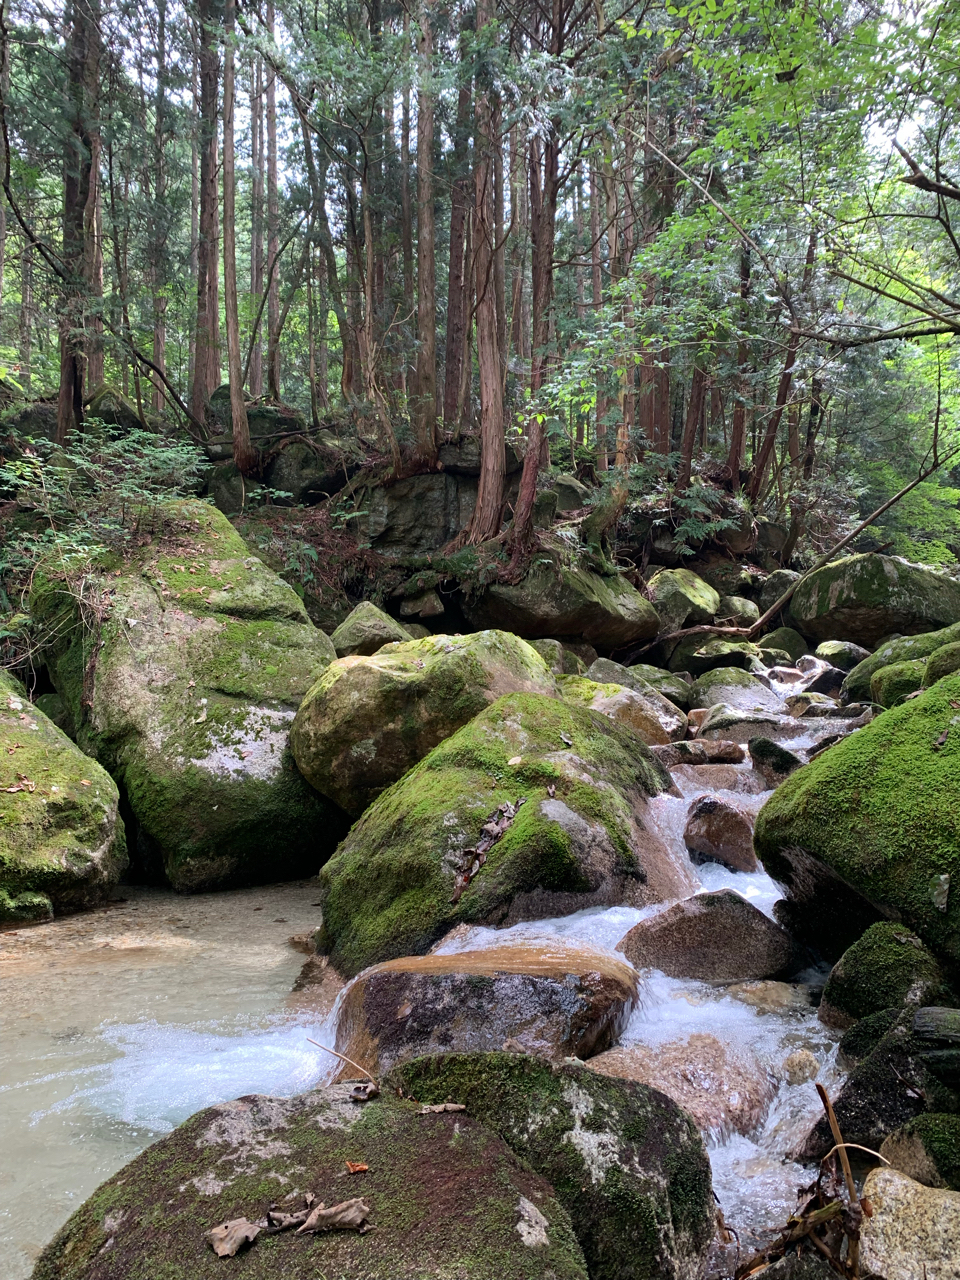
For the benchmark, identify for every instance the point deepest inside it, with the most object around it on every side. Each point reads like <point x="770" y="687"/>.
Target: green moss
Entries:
<point x="862" y="1038"/>
<point x="643" y="1209"/>
<point x="887" y="968"/>
<point x="697" y="656"/>
<point x="940" y="1137"/>
<point x="890" y="685"/>
<point x="881" y="809"/>
<point x="388" y="890"/>
<point x="788" y="639"/>
<point x="856" y="687"/>
<point x="942" y="662"/>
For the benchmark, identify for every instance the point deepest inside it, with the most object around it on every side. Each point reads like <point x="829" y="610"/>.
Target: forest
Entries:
<point x="480" y="639"/>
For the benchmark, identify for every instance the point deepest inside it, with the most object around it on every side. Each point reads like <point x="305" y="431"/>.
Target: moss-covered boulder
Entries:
<point x="553" y="654"/>
<point x="734" y="688"/>
<point x="843" y="654"/>
<point x="62" y="844"/>
<point x="872" y="826"/>
<point x="737" y="611"/>
<point x="927" y="1149"/>
<point x="365" y="630"/>
<point x="865" y="597"/>
<point x="698" y="654"/>
<point x="450" y="842"/>
<point x="445" y="1195"/>
<point x="890" y="685"/>
<point x="772" y="762"/>
<point x="889" y="967"/>
<point x="184" y="687"/>
<point x="555" y="600"/>
<point x="774" y="586"/>
<point x="624" y="1160"/>
<point x="856" y="687"/>
<point x="650" y="714"/>
<point x="734" y="724"/>
<point x="682" y="599"/>
<point x="942" y="662"/>
<point x="788" y="639"/>
<point x="672" y="686"/>
<point x="554" y="1001"/>
<point x="367" y="720"/>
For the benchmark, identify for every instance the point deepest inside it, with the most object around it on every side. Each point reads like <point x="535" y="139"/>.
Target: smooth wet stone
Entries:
<point x="733" y="688"/>
<point x="772" y="762"/>
<point x="725" y="1090"/>
<point x="699" y="753"/>
<point x="555" y="1002"/>
<point x="717" y="937"/>
<point x="768" y="996"/>
<point x="718" y="777"/>
<point x="841" y="653"/>
<point x="717" y="831"/>
<point x="914" y="1231"/>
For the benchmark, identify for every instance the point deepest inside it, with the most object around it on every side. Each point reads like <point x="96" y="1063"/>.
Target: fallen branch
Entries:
<point x="343" y="1058"/>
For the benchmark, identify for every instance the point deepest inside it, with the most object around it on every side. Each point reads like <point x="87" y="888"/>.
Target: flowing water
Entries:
<point x="117" y="1024"/>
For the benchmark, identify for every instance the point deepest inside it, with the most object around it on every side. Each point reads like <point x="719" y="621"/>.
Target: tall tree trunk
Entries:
<point x="738" y="432"/>
<point x="456" y="279"/>
<point x="256" y="220"/>
<point x="26" y="317"/>
<point x="406" y="207"/>
<point x="160" y="189"/>
<point x="485" y="522"/>
<point x="244" y="454"/>
<point x="206" y="359"/>
<point x="273" y="225"/>
<point x="425" y="402"/>
<point x="80" y="185"/>
<point x="698" y="389"/>
<point x="194" y="190"/>
<point x="596" y="280"/>
<point x="813" y="427"/>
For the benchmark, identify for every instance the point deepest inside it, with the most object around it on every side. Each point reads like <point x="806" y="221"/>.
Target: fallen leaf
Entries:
<point x="356" y="1168"/>
<point x="515" y="760"/>
<point x="17" y="746"/>
<point x="441" y="1106"/>
<point x="942" y="739"/>
<point x="350" y="1215"/>
<point x="85" y="782"/>
<point x="230" y="1237"/>
<point x="23" y="783"/>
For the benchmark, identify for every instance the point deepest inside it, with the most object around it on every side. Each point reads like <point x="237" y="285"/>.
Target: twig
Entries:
<point x="853" y="1248"/>
<point x="343" y="1057"/>
<point x="856" y="1147"/>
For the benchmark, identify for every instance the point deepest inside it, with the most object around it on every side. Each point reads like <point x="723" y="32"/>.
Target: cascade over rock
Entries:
<point x="411" y="867"/>
<point x="62" y="843"/>
<point x="367" y="720"/>
<point x="186" y="690"/>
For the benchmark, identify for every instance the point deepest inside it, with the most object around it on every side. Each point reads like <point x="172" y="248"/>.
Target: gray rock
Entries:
<point x="717" y="831"/>
<point x="365" y="630"/>
<point x="841" y="653"/>
<point x="914" y="1232"/>
<point x="571" y="494"/>
<point x="733" y="688"/>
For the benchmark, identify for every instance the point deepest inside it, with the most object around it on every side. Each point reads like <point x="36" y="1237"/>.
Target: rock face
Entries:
<point x="718" y="937"/>
<point x="889" y="967"/>
<point x="682" y="599"/>
<point x="446" y="1195"/>
<point x="368" y="720"/>
<point x="650" y="714"/>
<point x="555" y="1003"/>
<point x="792" y="642"/>
<point x="411" y="868"/>
<point x="668" y="683"/>
<point x="718" y="831"/>
<point x="893" y="684"/>
<point x="740" y="611"/>
<point x="186" y="694"/>
<point x="62" y="843"/>
<point x="872" y="827"/>
<point x="365" y="630"/>
<point x="733" y="688"/>
<point x="856" y="687"/>
<point x="927" y="1149"/>
<point x="775" y="585"/>
<point x="625" y="1161"/>
<point x="556" y="601"/>
<point x="865" y="597"/>
<point x="732" y="724"/>
<point x="725" y="1091"/>
<point x="914" y="1233"/>
<point x="772" y="762"/>
<point x="841" y="653"/>
<point x="942" y="663"/>
<point x="698" y="655"/>
<point x="419" y="514"/>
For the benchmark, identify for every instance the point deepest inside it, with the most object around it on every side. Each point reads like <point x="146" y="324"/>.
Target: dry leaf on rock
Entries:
<point x="356" y="1168"/>
<point x="441" y="1106"/>
<point x="350" y="1215"/>
<point x="230" y="1237"/>
<point x="364" y="1092"/>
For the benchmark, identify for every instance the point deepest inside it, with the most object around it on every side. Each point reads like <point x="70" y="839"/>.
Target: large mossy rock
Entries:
<point x="186" y="689"/>
<point x="734" y="688"/>
<point x="942" y="662"/>
<point x="365" y="630"/>
<point x="872" y="827"/>
<point x="665" y="682"/>
<point x="856" y="687"/>
<point x="889" y="967"/>
<point x="682" y="599"/>
<point x="367" y="720"/>
<point x="624" y="1160"/>
<point x="552" y="600"/>
<point x="865" y="597"/>
<point x="410" y="869"/>
<point x="447" y="1198"/>
<point x="891" y="685"/>
<point x="62" y="844"/>
<point x="698" y="654"/>
<point x="927" y="1149"/>
<point x="655" y="718"/>
<point x="555" y="1001"/>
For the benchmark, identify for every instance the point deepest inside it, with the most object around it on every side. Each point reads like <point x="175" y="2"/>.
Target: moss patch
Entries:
<point x="942" y="662"/>
<point x="890" y="685"/>
<point x="856" y="687"/>
<point x="889" y="967"/>
<point x="881" y="809"/>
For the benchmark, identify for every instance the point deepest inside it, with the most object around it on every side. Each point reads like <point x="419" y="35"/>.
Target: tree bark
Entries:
<point x="206" y="359"/>
<point x="406" y="208"/>
<point x="244" y="454"/>
<point x="26" y="318"/>
<point x="255" y="379"/>
<point x="424" y="407"/>
<point x="596" y="279"/>
<point x="158" y="254"/>
<point x="80" y="188"/>
<point x="273" y="225"/>
<point x="698" y="388"/>
<point x="738" y="432"/>
<point x="456" y="279"/>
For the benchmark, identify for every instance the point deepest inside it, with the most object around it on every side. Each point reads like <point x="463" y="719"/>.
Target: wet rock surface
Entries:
<point x="556" y="1004"/>
<point x="914" y="1231"/>
<point x="717" y="831"/>
<point x="718" y="937"/>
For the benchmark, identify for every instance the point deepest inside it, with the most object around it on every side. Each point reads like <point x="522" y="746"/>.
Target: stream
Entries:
<point x="198" y="992"/>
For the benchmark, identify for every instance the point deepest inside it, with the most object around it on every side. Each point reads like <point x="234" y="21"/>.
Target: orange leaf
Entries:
<point x="356" y="1168"/>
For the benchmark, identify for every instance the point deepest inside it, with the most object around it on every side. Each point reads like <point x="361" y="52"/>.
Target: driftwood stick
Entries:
<point x="343" y="1058"/>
